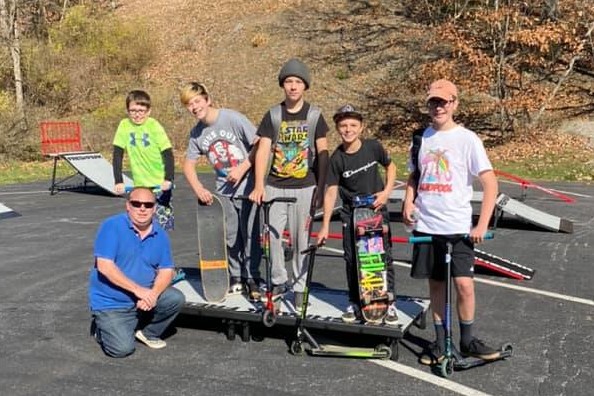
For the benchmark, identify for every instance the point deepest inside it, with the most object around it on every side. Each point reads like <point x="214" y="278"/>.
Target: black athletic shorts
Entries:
<point x="428" y="261"/>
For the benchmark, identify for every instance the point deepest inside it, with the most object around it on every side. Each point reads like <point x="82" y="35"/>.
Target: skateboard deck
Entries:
<point x="212" y="247"/>
<point x="371" y="267"/>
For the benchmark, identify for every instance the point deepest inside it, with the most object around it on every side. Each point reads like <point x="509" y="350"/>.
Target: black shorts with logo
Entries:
<point x="428" y="261"/>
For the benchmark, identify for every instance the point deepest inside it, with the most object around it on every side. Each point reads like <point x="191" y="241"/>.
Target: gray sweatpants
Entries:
<point x="297" y="217"/>
<point x="243" y="232"/>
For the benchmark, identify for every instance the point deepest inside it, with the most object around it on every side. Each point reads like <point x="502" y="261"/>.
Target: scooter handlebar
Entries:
<point x="425" y="239"/>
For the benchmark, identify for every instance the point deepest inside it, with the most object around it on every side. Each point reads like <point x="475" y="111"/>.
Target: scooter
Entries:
<point x="453" y="359"/>
<point x="381" y="351"/>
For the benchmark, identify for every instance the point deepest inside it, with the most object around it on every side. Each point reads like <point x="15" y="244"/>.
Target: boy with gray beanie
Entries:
<point x="291" y="161"/>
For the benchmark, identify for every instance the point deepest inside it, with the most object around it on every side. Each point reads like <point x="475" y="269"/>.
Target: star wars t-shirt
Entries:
<point x="291" y="162"/>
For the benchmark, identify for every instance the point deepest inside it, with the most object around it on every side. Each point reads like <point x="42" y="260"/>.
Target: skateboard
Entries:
<point x="369" y="233"/>
<point x="212" y="247"/>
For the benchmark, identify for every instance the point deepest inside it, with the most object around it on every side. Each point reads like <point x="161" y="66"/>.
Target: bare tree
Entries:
<point x="10" y="37"/>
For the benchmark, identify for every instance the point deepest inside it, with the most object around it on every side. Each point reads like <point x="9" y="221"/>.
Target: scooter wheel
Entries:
<point x="447" y="367"/>
<point x="508" y="349"/>
<point x="296" y="348"/>
<point x="268" y="318"/>
<point x="384" y="350"/>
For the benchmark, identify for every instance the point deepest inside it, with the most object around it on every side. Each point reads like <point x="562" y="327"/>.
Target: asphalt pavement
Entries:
<point x="45" y="348"/>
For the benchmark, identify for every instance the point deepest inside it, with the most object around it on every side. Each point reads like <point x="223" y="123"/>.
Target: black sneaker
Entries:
<point x="253" y="290"/>
<point x="432" y="355"/>
<point x="478" y="348"/>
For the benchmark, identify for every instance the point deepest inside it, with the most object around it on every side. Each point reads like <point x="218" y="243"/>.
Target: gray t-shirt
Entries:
<point x="226" y="143"/>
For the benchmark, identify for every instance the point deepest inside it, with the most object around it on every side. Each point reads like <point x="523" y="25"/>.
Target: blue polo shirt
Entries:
<point x="139" y="259"/>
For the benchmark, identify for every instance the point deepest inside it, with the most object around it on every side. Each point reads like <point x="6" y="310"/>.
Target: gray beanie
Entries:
<point x="294" y="67"/>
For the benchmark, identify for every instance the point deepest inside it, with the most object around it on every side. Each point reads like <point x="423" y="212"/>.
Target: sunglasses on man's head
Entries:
<point x="138" y="204"/>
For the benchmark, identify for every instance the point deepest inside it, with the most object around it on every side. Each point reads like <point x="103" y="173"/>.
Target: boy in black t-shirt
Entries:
<point x="291" y="162"/>
<point x="354" y="171"/>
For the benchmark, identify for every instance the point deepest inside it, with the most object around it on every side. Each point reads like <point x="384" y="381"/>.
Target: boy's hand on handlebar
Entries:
<point x="322" y="236"/>
<point x="257" y="196"/>
<point x="477" y="234"/>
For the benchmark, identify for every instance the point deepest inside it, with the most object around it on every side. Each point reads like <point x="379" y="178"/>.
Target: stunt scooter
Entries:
<point x="453" y="359"/>
<point x="269" y="311"/>
<point x="381" y="351"/>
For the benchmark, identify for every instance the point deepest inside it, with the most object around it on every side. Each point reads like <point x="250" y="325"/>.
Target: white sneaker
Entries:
<point x="350" y="316"/>
<point x="391" y="318"/>
<point x="153" y="343"/>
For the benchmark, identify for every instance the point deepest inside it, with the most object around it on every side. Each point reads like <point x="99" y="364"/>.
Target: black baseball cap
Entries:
<point x="347" y="111"/>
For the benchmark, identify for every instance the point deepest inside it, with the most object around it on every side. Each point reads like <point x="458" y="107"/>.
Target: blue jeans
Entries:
<point x="114" y="328"/>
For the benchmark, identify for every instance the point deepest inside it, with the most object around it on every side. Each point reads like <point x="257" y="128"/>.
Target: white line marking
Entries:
<point x="558" y="296"/>
<point x="545" y="293"/>
<point x="431" y="378"/>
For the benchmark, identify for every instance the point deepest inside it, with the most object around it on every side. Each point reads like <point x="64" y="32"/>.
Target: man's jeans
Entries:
<point x="114" y="329"/>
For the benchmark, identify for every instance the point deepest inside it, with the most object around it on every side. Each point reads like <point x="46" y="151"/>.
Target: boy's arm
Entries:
<point x="262" y="155"/>
<point x="169" y="162"/>
<point x="117" y="159"/>
<point x="329" y="201"/>
<point x="408" y="204"/>
<point x="381" y="198"/>
<point x="200" y="191"/>
<point x="322" y="171"/>
<point x="237" y="173"/>
<point x="490" y="189"/>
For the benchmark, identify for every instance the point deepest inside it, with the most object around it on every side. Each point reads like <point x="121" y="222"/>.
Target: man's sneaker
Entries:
<point x="253" y="290"/>
<point x="236" y="286"/>
<point x="350" y="315"/>
<point x="432" y="355"/>
<point x="391" y="318"/>
<point x="153" y="343"/>
<point x="478" y="348"/>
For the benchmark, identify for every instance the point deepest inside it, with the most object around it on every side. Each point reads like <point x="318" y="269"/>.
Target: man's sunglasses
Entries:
<point x="138" y="204"/>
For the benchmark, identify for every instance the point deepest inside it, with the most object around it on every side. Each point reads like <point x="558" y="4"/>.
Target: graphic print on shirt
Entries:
<point x="436" y="175"/>
<point x="348" y="173"/>
<point x="144" y="139"/>
<point x="291" y="152"/>
<point x="222" y="151"/>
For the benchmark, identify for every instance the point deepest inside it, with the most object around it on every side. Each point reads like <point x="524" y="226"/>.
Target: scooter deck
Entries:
<point x="346" y="351"/>
<point x="464" y="363"/>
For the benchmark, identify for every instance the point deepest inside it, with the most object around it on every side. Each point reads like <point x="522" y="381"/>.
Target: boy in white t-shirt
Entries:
<point x="449" y="158"/>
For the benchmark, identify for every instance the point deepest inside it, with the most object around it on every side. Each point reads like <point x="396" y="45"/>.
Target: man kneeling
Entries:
<point x="129" y="286"/>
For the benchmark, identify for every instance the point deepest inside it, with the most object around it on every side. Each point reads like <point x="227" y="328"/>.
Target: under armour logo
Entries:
<point x="145" y="139"/>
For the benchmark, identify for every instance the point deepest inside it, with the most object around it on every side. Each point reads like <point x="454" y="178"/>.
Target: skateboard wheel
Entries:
<point x="296" y="348"/>
<point x="245" y="332"/>
<point x="394" y="350"/>
<point x="231" y="332"/>
<point x="268" y="318"/>
<point x="447" y="367"/>
<point x="385" y="350"/>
